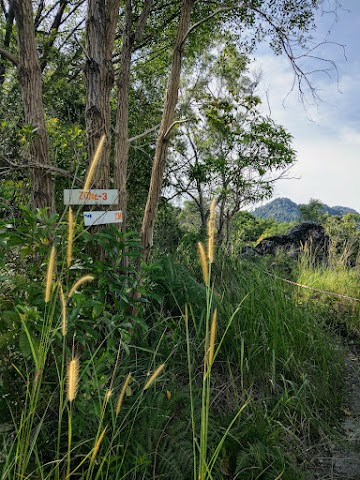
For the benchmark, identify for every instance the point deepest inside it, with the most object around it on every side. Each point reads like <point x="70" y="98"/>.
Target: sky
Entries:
<point x="326" y="135"/>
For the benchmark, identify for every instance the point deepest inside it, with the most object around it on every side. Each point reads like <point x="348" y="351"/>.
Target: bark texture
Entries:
<point x="29" y="73"/>
<point x="122" y="114"/>
<point x="9" y="25"/>
<point x="101" y="24"/>
<point x="157" y="174"/>
<point x="129" y="37"/>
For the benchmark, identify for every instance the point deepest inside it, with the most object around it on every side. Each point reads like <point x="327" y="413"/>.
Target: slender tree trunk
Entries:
<point x="129" y="37"/>
<point x="122" y="114"/>
<point x="9" y="27"/>
<point x="228" y="233"/>
<point x="171" y="99"/>
<point x="29" y="73"/>
<point x="220" y="232"/>
<point x="101" y="24"/>
<point x="202" y="206"/>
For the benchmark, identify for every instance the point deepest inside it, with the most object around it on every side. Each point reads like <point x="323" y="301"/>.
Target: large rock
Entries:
<point x="307" y="234"/>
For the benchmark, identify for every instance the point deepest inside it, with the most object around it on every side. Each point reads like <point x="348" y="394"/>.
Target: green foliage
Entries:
<point x="276" y="352"/>
<point x="248" y="229"/>
<point x="284" y="210"/>
<point x="275" y="358"/>
<point x="344" y="236"/>
<point x="279" y="209"/>
<point x="312" y="212"/>
<point x="226" y="149"/>
<point x="340" y="277"/>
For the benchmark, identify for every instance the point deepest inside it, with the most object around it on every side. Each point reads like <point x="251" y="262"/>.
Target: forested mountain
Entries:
<point x="285" y="210"/>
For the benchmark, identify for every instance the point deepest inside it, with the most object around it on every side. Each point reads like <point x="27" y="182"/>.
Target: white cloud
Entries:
<point x="326" y="135"/>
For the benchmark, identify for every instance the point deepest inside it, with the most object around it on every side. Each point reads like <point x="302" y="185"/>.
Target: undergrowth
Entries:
<point x="334" y="289"/>
<point x="202" y="377"/>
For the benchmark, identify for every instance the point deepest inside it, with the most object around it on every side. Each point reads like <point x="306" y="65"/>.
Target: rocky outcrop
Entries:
<point x="311" y="234"/>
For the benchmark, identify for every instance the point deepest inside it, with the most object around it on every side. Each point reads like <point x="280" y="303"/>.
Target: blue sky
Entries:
<point x="326" y="134"/>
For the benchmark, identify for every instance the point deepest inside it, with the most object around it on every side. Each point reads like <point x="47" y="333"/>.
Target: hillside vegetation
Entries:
<point x="285" y="210"/>
<point x="204" y="364"/>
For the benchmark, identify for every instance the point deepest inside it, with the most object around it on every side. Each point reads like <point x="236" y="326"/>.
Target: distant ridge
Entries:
<point x="285" y="210"/>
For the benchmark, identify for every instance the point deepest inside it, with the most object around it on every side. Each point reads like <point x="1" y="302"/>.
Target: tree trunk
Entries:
<point x="101" y="24"/>
<point x="202" y="206"/>
<point x="29" y="73"/>
<point x="171" y="99"/>
<point x="220" y="232"/>
<point x="8" y="31"/>
<point x="228" y="233"/>
<point x="122" y="113"/>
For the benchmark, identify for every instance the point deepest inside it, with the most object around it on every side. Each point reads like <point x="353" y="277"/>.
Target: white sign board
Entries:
<point x="91" y="197"/>
<point x="101" y="218"/>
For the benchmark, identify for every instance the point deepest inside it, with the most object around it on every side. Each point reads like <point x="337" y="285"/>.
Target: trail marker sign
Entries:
<point x="101" y="218"/>
<point x="91" y="197"/>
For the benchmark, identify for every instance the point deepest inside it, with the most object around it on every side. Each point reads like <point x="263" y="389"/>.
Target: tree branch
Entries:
<point x="54" y="29"/>
<point x="141" y="135"/>
<point x="177" y="122"/>
<point x="217" y="12"/>
<point x="9" y="56"/>
<point x="142" y="20"/>
<point x="49" y="168"/>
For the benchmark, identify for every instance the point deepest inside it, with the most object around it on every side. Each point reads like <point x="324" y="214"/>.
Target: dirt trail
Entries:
<point x="341" y="461"/>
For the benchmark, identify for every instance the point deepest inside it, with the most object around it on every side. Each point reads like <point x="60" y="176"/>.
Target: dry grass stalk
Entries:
<point x="97" y="444"/>
<point x="212" y="337"/>
<point x="186" y="315"/>
<point x="72" y="379"/>
<point x="204" y="264"/>
<point x="63" y="311"/>
<point x="94" y="163"/>
<point x="70" y="237"/>
<point x="122" y="394"/>
<point x="81" y="281"/>
<point x="211" y="231"/>
<point x="154" y="376"/>
<point x="50" y="274"/>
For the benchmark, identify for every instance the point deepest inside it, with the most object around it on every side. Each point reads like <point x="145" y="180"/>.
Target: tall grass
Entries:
<point x="335" y="277"/>
<point x="48" y="420"/>
<point x="277" y="356"/>
<point x="232" y="379"/>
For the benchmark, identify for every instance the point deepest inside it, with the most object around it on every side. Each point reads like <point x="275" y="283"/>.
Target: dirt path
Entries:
<point x="341" y="460"/>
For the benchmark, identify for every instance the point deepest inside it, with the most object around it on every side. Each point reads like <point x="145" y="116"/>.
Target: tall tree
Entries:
<point x="29" y="74"/>
<point x="284" y="23"/>
<point x="101" y="21"/>
<point x="228" y="150"/>
<point x="147" y="230"/>
<point x="129" y="38"/>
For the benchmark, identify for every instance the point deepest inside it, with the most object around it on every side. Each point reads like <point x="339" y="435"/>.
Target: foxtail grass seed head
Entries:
<point x="72" y="379"/>
<point x="50" y="274"/>
<point x="97" y="444"/>
<point x="212" y="337"/>
<point x="211" y="231"/>
<point x="122" y="394"/>
<point x="70" y="237"/>
<point x="63" y="311"/>
<point x="81" y="281"/>
<point x="204" y="264"/>
<point x="154" y="376"/>
<point x="94" y="163"/>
